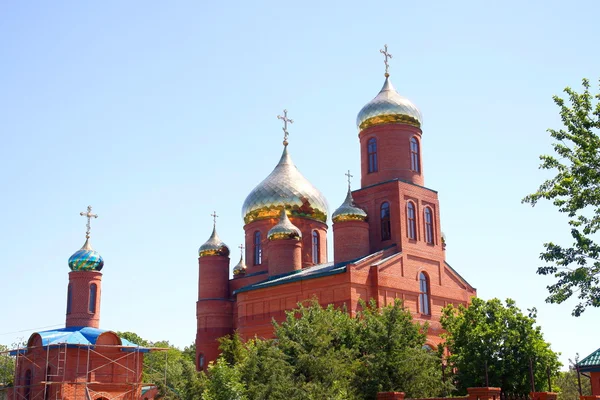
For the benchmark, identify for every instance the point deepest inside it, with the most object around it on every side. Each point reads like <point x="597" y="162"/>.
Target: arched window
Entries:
<point x="48" y="387"/>
<point x="423" y="294"/>
<point x="69" y="299"/>
<point x="372" y="152"/>
<point x="315" y="247"/>
<point x="257" y="249"/>
<point x="428" y="225"/>
<point x="200" y="361"/>
<point x="411" y="220"/>
<point x="27" y="389"/>
<point x="386" y="227"/>
<point x="93" y="294"/>
<point x="414" y="155"/>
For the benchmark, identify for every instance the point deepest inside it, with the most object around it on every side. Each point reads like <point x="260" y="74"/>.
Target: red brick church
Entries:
<point x="387" y="241"/>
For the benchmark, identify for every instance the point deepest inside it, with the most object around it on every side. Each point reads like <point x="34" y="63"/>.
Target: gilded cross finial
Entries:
<point x="215" y="216"/>
<point x="385" y="61"/>
<point x="285" y="122"/>
<point x="88" y="214"/>
<point x="349" y="178"/>
<point x="241" y="247"/>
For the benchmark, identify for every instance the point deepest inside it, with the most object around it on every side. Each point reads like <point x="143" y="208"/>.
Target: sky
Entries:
<point x="157" y="114"/>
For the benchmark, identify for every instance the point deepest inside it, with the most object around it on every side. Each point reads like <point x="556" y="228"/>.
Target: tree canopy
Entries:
<point x="173" y="371"/>
<point x="322" y="353"/>
<point x="500" y="338"/>
<point x="7" y="367"/>
<point x="574" y="191"/>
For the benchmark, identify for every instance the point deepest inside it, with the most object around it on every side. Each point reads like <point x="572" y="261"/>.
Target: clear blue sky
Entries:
<point x="157" y="114"/>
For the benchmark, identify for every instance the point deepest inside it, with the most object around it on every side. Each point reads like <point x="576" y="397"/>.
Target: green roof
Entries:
<point x="591" y="362"/>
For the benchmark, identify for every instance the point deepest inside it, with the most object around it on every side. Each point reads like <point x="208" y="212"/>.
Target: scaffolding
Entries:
<point x="47" y="372"/>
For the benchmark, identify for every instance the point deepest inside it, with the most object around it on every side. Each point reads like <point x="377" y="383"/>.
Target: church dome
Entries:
<point x="86" y="259"/>
<point x="240" y="267"/>
<point x="284" y="229"/>
<point x="214" y="246"/>
<point x="349" y="211"/>
<point x="388" y="107"/>
<point x="285" y="188"/>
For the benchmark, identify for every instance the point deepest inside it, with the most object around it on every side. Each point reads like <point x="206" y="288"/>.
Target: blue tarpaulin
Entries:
<point x="79" y="336"/>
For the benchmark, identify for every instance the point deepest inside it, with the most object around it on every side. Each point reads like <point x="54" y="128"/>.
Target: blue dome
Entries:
<point x="86" y="259"/>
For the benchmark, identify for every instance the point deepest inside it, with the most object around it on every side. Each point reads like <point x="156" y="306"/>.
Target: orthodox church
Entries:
<point x="387" y="242"/>
<point x="80" y="361"/>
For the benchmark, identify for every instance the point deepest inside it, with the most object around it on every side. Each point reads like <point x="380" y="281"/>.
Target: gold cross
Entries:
<point x="89" y="216"/>
<point x="241" y="247"/>
<point x="285" y="122"/>
<point x="215" y="216"/>
<point x="385" y="61"/>
<point x="349" y="176"/>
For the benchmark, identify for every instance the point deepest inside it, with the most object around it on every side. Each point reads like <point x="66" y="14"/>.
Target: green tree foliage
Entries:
<point x="567" y="386"/>
<point x="7" y="367"/>
<point x="575" y="191"/>
<point x="323" y="353"/>
<point x="393" y="357"/>
<point x="498" y="336"/>
<point x="173" y="371"/>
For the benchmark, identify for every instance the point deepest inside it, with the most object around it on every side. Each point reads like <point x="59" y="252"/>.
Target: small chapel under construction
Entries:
<point x="80" y="361"/>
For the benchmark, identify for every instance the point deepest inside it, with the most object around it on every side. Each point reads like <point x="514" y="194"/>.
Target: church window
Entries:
<point x="69" y="299"/>
<point x="424" y="294"/>
<point x="27" y="389"/>
<point x="93" y="294"/>
<point x="414" y="155"/>
<point x="386" y="227"/>
<point x="315" y="247"/>
<point x="428" y="225"/>
<point x="48" y="387"/>
<point x="411" y="220"/>
<point x="200" y="361"/>
<point x="372" y="152"/>
<point x="257" y="248"/>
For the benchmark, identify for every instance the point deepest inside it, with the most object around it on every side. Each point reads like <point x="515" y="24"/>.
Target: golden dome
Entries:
<point x="388" y="107"/>
<point x="214" y="246"/>
<point x="284" y="229"/>
<point x="240" y="267"/>
<point x="349" y="211"/>
<point x="285" y="188"/>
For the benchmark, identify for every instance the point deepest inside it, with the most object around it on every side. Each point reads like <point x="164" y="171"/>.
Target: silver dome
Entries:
<point x="284" y="229"/>
<point x="240" y="267"/>
<point x="349" y="211"/>
<point x="388" y="107"/>
<point x="285" y="188"/>
<point x="214" y="246"/>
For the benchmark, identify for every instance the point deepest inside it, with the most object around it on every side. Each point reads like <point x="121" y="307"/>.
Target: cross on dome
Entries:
<point x="386" y="55"/>
<point x="88" y="214"/>
<point x="241" y="247"/>
<point x="285" y="122"/>
<point x="349" y="178"/>
<point x="215" y="216"/>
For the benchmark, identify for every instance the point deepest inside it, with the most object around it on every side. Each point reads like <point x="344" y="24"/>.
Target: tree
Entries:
<point x="567" y="386"/>
<point x="393" y="357"/>
<point x="173" y="371"/>
<point x="575" y="191"/>
<point x="500" y="339"/>
<point x="7" y="367"/>
<point x="324" y="353"/>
